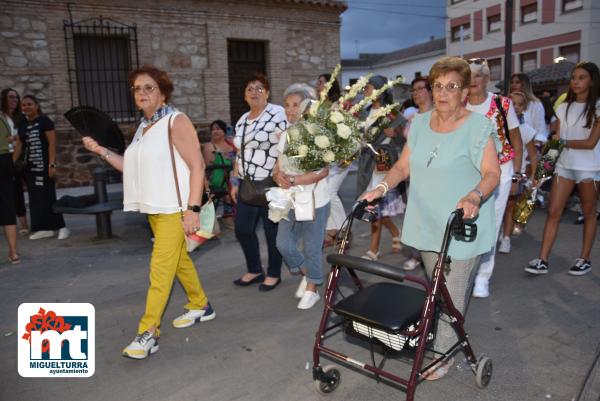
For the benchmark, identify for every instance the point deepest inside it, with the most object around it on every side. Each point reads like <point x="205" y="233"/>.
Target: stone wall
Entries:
<point x="187" y="38"/>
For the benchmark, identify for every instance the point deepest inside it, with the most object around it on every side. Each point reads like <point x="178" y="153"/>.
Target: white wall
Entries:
<point x="405" y="68"/>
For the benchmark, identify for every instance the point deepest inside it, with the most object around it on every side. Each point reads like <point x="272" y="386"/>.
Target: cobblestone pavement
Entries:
<point x="541" y="332"/>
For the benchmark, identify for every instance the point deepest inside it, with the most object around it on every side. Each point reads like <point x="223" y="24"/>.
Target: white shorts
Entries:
<point x="577" y="175"/>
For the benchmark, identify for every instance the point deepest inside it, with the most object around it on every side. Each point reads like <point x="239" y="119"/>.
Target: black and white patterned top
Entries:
<point x="260" y="137"/>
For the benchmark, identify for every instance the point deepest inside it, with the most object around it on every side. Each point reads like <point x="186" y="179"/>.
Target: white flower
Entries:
<point x="336" y="117"/>
<point x="293" y="133"/>
<point x="343" y="131"/>
<point x="302" y="150"/>
<point x="311" y="128"/>
<point x="329" y="157"/>
<point x="553" y="153"/>
<point x="322" y="141"/>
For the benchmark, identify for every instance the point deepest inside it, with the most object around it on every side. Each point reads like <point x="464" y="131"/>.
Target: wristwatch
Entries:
<point x="194" y="208"/>
<point x="478" y="192"/>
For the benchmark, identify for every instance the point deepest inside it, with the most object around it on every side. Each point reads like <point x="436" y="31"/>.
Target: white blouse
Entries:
<point x="148" y="182"/>
<point x="572" y="128"/>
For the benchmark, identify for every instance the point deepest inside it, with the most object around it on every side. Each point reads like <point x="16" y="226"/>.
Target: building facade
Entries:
<point x="542" y="31"/>
<point x="79" y="53"/>
<point x="409" y="63"/>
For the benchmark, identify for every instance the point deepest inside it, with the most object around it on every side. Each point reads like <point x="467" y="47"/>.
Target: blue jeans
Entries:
<point x="246" y="220"/>
<point x="311" y="234"/>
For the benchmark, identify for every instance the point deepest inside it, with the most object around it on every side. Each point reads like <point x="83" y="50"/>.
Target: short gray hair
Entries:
<point x="305" y="91"/>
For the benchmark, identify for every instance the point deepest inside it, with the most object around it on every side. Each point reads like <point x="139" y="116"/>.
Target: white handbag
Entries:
<point x="304" y="205"/>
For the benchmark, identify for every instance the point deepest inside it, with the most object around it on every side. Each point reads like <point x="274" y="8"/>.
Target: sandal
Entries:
<point x="396" y="245"/>
<point x="370" y="255"/>
<point x="438" y="370"/>
<point x="15" y="260"/>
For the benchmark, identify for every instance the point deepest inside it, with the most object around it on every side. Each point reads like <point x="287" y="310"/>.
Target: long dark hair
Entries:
<point x="594" y="92"/>
<point x="16" y="114"/>
<point x="335" y="92"/>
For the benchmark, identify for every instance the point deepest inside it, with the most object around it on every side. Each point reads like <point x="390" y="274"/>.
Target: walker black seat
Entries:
<point x="387" y="306"/>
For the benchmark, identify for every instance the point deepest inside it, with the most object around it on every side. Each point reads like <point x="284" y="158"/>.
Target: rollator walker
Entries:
<point x="400" y="315"/>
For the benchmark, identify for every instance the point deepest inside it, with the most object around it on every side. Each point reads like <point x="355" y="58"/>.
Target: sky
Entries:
<point x="379" y="26"/>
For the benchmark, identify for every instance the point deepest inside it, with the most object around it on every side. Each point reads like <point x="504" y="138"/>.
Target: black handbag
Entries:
<point x="254" y="192"/>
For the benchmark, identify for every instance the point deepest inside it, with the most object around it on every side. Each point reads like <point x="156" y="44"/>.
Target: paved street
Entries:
<point x="541" y="332"/>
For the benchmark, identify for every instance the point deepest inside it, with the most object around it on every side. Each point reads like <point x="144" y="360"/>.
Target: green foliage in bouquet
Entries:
<point x="546" y="165"/>
<point x="328" y="133"/>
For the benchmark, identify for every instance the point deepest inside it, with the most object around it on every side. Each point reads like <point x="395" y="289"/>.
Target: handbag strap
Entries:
<point x="243" y="146"/>
<point x="172" y="152"/>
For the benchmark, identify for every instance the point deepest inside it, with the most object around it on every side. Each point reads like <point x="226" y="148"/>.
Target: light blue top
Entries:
<point x="454" y="160"/>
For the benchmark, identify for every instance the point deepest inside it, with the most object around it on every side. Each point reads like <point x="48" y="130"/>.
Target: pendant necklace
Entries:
<point x="433" y="154"/>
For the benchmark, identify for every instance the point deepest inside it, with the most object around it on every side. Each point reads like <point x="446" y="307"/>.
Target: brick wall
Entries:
<point x="187" y="38"/>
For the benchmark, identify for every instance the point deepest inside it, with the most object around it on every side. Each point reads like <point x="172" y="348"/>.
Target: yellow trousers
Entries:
<point x="169" y="259"/>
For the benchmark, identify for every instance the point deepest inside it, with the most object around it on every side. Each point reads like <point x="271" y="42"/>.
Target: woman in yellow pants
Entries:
<point x="149" y="187"/>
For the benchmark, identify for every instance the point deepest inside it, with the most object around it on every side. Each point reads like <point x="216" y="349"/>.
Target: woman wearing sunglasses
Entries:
<point x="500" y="111"/>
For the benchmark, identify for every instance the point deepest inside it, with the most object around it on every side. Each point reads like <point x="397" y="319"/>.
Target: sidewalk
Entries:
<point x="541" y="332"/>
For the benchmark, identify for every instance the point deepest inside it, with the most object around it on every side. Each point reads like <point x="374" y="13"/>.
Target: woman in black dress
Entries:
<point x="7" y="197"/>
<point x="37" y="138"/>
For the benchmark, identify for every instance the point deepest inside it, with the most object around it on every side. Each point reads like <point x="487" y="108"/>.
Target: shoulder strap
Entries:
<point x="174" y="167"/>
<point x="504" y="120"/>
<point x="243" y="146"/>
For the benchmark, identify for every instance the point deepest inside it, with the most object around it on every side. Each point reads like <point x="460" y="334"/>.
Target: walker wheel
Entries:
<point x="484" y="372"/>
<point x="330" y="380"/>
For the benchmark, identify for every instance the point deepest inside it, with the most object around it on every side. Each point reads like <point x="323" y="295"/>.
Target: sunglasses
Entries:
<point x="477" y="61"/>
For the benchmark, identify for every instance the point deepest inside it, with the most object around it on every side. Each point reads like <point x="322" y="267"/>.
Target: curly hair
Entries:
<point x="162" y="79"/>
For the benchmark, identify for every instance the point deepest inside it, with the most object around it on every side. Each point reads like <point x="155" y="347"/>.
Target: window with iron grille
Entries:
<point x="100" y="54"/>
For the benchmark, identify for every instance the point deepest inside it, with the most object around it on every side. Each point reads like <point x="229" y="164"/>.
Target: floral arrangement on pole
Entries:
<point x="543" y="172"/>
<point x="327" y="134"/>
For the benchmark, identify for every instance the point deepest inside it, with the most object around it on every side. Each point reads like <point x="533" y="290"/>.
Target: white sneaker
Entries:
<point x="504" y="246"/>
<point x="481" y="289"/>
<point x="143" y="345"/>
<point x="411" y="264"/>
<point x="193" y="316"/>
<point x="64" y="233"/>
<point x="42" y="234"/>
<point x="309" y="299"/>
<point x="301" y="288"/>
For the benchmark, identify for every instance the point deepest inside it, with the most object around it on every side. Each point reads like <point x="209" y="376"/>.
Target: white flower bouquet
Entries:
<point x="329" y="133"/>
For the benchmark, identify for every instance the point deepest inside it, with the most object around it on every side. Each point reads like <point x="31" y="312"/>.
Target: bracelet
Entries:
<point x="106" y="155"/>
<point x="383" y="185"/>
<point x="479" y="193"/>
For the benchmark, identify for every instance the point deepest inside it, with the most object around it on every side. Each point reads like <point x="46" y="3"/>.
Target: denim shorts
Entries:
<point x="577" y="175"/>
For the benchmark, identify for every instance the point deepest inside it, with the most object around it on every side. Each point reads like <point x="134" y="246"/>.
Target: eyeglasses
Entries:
<point x="255" y="89"/>
<point x="478" y="61"/>
<point x="451" y="87"/>
<point x="145" y="89"/>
